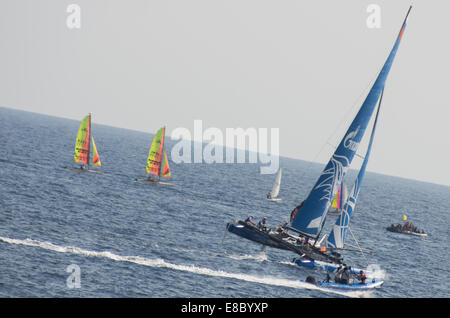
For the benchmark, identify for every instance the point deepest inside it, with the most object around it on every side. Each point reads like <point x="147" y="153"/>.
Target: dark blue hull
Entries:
<point x="278" y="240"/>
<point x="254" y="234"/>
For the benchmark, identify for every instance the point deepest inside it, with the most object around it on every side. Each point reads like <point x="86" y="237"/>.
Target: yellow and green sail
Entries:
<point x="157" y="163"/>
<point x="154" y="159"/>
<point x="82" y="145"/>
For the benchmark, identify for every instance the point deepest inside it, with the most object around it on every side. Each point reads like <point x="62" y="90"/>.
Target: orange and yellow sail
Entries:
<point x="165" y="168"/>
<point x="157" y="163"/>
<point x="83" y="145"/>
<point x="95" y="158"/>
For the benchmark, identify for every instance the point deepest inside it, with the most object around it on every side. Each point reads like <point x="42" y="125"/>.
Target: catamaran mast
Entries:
<point x="162" y="154"/>
<point x="343" y="221"/>
<point x="404" y="21"/>
<point x="89" y="141"/>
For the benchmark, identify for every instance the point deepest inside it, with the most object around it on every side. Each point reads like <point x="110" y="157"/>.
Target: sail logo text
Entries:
<point x="251" y="141"/>
<point x="349" y="143"/>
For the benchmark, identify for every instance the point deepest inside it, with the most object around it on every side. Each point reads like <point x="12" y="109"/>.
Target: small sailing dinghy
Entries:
<point x="83" y="147"/>
<point x="157" y="163"/>
<point x="273" y="195"/>
<point x="308" y="218"/>
<point x="339" y="200"/>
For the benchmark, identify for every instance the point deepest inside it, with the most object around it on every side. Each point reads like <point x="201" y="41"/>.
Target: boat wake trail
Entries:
<point x="160" y="263"/>
<point x="260" y="257"/>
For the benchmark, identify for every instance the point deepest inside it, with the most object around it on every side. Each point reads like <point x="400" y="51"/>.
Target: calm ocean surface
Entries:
<point x="131" y="239"/>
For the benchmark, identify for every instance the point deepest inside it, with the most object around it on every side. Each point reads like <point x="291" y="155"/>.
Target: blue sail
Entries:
<point x="338" y="232"/>
<point x="311" y="216"/>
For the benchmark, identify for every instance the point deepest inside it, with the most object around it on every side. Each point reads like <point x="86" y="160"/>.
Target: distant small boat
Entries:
<point x="157" y="163"/>
<point x="400" y="228"/>
<point x="83" y="146"/>
<point x="272" y="195"/>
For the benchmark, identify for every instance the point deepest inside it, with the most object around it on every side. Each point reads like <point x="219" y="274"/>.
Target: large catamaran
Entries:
<point x="308" y="218"/>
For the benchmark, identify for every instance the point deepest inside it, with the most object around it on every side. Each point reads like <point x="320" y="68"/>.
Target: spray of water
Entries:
<point x="376" y="272"/>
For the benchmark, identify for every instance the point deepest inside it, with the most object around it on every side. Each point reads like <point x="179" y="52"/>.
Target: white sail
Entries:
<point x="344" y="194"/>
<point x="276" y="185"/>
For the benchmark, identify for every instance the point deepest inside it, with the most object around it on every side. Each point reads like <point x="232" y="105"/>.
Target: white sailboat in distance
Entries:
<point x="273" y="195"/>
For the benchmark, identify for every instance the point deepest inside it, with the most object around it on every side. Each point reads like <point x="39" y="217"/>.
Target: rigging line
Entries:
<point x="356" y="103"/>
<point x="226" y="232"/>
<point x="360" y="249"/>
<point x="373" y="131"/>
<point x="343" y="118"/>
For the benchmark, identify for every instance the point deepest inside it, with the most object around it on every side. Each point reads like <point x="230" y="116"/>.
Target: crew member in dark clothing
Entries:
<point x="262" y="224"/>
<point x="328" y="278"/>
<point x="250" y="220"/>
<point x="281" y="228"/>
<point x="338" y="274"/>
<point x="345" y="279"/>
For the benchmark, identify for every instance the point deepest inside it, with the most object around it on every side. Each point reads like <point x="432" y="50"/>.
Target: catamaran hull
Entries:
<point x="276" y="240"/>
<point x="154" y="182"/>
<point x="334" y="212"/>
<point x="251" y="234"/>
<point x="84" y="170"/>
<point x="390" y="229"/>
<point x="274" y="199"/>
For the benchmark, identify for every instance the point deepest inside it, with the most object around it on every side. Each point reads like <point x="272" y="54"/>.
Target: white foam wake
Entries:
<point x="376" y="272"/>
<point x="158" y="262"/>
<point x="260" y="257"/>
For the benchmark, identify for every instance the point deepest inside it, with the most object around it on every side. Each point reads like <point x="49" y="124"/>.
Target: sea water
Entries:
<point x="70" y="234"/>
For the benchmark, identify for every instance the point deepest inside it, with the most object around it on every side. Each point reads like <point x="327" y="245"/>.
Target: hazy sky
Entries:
<point x="300" y="66"/>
